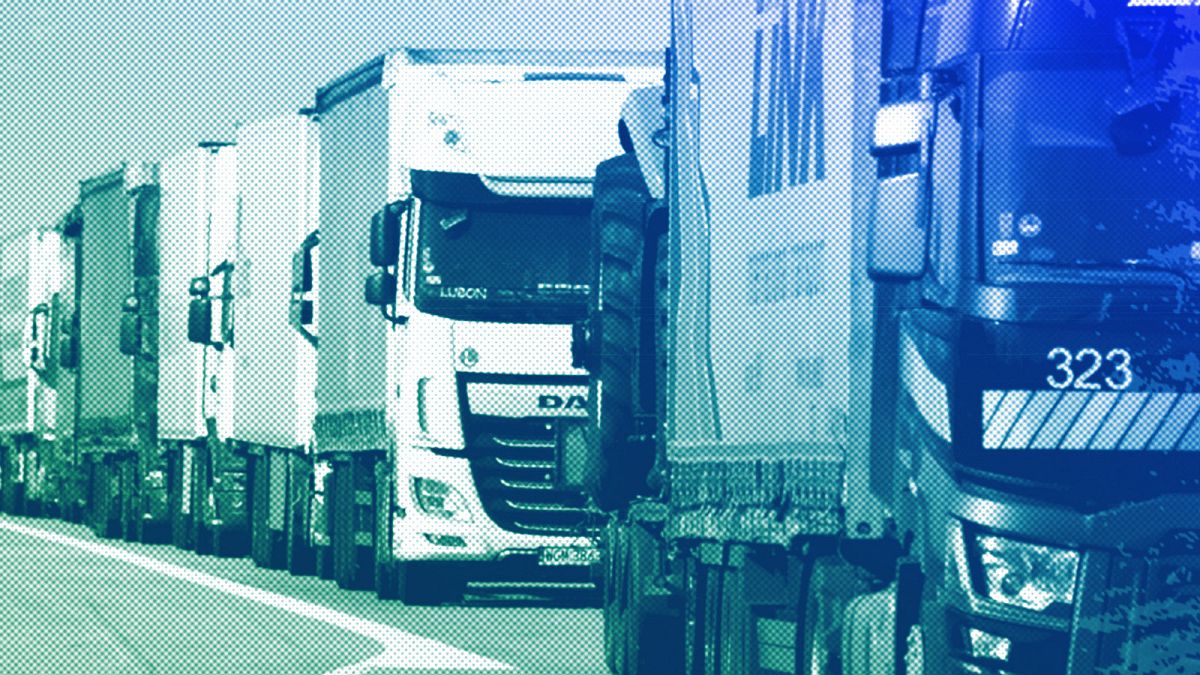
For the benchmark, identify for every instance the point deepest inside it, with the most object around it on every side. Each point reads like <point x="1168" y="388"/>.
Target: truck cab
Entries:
<point x="485" y="250"/>
<point x="28" y="286"/>
<point x="1047" y="417"/>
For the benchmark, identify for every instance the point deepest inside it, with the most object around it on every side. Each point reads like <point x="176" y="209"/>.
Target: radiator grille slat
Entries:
<point x="512" y="460"/>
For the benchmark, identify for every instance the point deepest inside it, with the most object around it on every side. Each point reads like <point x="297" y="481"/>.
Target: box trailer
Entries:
<point x="276" y="333"/>
<point x="198" y="226"/>
<point x="109" y="436"/>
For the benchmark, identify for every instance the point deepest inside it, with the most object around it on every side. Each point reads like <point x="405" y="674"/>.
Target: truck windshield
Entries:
<point x="1091" y="156"/>
<point x="484" y="257"/>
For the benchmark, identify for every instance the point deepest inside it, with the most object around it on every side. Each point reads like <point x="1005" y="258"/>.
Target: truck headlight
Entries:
<point x="1026" y="575"/>
<point x="440" y="500"/>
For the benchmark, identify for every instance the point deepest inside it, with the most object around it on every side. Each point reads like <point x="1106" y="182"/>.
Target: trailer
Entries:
<point x="110" y="437"/>
<point x="889" y="346"/>
<point x="206" y="480"/>
<point x="277" y="334"/>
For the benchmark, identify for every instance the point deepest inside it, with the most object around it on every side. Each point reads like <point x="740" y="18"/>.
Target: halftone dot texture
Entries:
<point x="1044" y="358"/>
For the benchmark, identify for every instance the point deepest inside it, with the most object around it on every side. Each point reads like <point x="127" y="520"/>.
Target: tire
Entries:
<point x="230" y="542"/>
<point x="618" y="471"/>
<point x="386" y="587"/>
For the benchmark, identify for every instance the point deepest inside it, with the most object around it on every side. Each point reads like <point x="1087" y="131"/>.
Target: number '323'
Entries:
<point x="1081" y="369"/>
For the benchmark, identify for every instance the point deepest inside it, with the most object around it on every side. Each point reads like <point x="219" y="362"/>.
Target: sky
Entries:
<point x="90" y="84"/>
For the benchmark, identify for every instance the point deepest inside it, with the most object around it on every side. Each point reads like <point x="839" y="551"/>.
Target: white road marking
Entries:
<point x="401" y="649"/>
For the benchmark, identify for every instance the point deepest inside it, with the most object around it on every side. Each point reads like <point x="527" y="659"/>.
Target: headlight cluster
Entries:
<point x="1026" y="575"/>
<point x="440" y="500"/>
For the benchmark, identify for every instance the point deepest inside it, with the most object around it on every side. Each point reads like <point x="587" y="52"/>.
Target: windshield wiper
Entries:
<point x="1064" y="269"/>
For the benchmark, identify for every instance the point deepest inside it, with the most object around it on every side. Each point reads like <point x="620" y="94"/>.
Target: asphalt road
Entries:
<point x="73" y="603"/>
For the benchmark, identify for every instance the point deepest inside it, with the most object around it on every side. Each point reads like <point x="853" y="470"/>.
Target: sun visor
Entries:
<point x="526" y="138"/>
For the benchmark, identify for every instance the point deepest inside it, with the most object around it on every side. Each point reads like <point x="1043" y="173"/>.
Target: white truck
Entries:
<point x="435" y="408"/>
<point x="198" y="226"/>
<point x="28" y="284"/>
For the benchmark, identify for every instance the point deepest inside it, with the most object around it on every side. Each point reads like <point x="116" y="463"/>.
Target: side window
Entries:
<point x="945" y="195"/>
<point x="901" y="35"/>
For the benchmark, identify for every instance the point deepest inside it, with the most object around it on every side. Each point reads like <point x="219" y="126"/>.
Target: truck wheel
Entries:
<point x="421" y="582"/>
<point x="618" y="472"/>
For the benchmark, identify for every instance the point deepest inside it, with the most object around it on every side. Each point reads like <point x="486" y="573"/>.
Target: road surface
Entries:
<point x="73" y="603"/>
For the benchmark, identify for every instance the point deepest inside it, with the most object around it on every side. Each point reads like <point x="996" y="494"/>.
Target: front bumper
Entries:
<point x="417" y="535"/>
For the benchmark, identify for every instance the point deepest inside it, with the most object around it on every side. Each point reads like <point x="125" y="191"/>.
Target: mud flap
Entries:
<point x="266" y="500"/>
<point x="868" y="634"/>
<point x="298" y="514"/>
<point x="321" y="522"/>
<point x="353" y="530"/>
<point x="35" y="479"/>
<point x="103" y="491"/>
<point x="386" y="586"/>
<point x="180" y="459"/>
<point x="154" y="523"/>
<point x="12" y="480"/>
<point x="130" y="495"/>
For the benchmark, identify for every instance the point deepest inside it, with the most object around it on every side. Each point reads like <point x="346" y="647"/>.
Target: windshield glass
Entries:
<point x="484" y="257"/>
<point x="1091" y="158"/>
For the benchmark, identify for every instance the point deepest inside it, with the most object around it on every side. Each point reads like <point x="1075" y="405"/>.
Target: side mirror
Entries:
<point x="898" y="235"/>
<point x="131" y="334"/>
<point x="302" y="312"/>
<point x="302" y="265"/>
<point x="200" y="321"/>
<point x="131" y="327"/>
<point x="897" y="240"/>
<point x="380" y="289"/>
<point x="40" y="317"/>
<point x="68" y="351"/>
<point x="385" y="234"/>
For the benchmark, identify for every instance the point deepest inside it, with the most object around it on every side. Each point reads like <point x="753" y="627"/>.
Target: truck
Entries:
<point x="456" y="182"/>
<point x="105" y="434"/>
<point x="892" y="342"/>
<point x="205" y="479"/>
<point x="276" y="333"/>
<point x="28" y="281"/>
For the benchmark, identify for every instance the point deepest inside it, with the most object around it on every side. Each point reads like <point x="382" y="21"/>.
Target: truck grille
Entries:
<point x="512" y="461"/>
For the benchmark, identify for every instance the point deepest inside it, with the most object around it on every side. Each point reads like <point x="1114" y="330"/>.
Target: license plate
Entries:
<point x="568" y="555"/>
